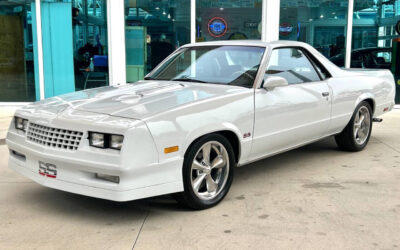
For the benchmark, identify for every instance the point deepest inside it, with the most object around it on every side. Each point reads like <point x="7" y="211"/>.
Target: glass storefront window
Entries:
<point x="321" y="23"/>
<point x="153" y="30"/>
<point x="375" y="40"/>
<point x="74" y="45"/>
<point x="228" y="20"/>
<point x="90" y="44"/>
<point x="373" y="32"/>
<point x="18" y="68"/>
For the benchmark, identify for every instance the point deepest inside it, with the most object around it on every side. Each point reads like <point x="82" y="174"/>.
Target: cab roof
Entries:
<point x="256" y="43"/>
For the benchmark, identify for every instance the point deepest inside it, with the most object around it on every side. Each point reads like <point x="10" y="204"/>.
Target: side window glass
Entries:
<point x="293" y="65"/>
<point x="324" y="74"/>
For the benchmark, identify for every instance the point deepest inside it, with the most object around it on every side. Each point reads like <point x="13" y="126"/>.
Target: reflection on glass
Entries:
<point x="293" y="65"/>
<point x="373" y="33"/>
<point x="154" y="29"/>
<point x="74" y="34"/>
<point x="226" y="65"/>
<point x="17" y="65"/>
<point x="228" y="20"/>
<point x="90" y="43"/>
<point x="321" y="23"/>
<point x="375" y="41"/>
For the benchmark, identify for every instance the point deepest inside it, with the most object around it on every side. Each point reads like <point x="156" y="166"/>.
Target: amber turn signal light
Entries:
<point x="171" y="149"/>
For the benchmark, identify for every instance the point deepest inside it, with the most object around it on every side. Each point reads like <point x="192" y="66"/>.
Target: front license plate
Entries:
<point x="47" y="169"/>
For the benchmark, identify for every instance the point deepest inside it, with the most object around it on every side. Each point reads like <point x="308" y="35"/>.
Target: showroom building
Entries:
<point x="52" y="47"/>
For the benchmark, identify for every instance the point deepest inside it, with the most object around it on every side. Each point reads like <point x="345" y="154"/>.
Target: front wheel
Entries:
<point x="357" y="133"/>
<point x="207" y="172"/>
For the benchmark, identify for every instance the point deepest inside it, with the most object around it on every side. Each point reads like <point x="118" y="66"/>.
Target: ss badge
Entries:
<point x="47" y="169"/>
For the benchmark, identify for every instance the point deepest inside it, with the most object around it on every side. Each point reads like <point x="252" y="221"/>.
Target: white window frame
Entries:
<point x="270" y="20"/>
<point x="39" y="38"/>
<point x="193" y="30"/>
<point x="116" y="42"/>
<point x="349" y="34"/>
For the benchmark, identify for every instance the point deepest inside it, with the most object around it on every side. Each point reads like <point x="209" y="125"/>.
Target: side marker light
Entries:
<point x="171" y="149"/>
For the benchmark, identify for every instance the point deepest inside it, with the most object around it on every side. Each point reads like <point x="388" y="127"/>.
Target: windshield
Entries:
<point x="227" y="65"/>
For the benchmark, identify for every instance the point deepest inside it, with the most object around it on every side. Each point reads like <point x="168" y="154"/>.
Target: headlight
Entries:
<point x="116" y="141"/>
<point x="101" y="140"/>
<point x="97" y="140"/>
<point x="20" y="123"/>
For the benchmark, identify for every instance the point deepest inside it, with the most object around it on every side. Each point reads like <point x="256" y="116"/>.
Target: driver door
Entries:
<point x="289" y="116"/>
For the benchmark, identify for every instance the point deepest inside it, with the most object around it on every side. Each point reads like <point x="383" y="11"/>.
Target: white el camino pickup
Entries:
<point x="206" y="109"/>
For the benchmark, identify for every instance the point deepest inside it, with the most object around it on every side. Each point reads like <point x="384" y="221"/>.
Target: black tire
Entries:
<point x="188" y="197"/>
<point x="346" y="140"/>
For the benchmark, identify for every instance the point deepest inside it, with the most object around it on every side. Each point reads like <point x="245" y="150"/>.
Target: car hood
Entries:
<point x="136" y="101"/>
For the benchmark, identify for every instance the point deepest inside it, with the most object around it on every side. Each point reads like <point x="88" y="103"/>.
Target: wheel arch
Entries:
<point x="230" y="135"/>
<point x="368" y="97"/>
<point x="372" y="103"/>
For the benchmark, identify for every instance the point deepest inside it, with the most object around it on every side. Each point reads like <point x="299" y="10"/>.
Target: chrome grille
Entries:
<point x="54" y="137"/>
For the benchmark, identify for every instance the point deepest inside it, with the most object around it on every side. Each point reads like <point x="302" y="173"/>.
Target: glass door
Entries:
<point x="75" y="47"/>
<point x="90" y="43"/>
<point x="18" y="67"/>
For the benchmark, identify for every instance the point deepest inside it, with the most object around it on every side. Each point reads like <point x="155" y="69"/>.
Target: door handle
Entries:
<point x="325" y="94"/>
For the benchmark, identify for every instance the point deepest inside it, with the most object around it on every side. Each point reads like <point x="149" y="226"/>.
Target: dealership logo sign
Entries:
<point x="217" y="27"/>
<point x="285" y="29"/>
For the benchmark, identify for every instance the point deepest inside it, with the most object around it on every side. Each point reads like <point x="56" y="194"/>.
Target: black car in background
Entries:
<point x="373" y="58"/>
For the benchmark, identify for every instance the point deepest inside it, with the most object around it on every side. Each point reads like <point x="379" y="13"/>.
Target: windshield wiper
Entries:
<point x="188" y="80"/>
<point x="149" y="78"/>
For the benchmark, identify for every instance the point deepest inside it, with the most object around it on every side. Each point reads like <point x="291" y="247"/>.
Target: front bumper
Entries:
<point x="79" y="176"/>
<point x="140" y="172"/>
<point x="102" y="193"/>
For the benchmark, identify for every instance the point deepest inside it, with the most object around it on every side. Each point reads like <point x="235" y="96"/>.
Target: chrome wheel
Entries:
<point x="210" y="170"/>
<point x="362" y="125"/>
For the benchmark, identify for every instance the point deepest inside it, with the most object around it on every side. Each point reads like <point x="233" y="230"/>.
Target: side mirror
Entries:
<point x="275" y="81"/>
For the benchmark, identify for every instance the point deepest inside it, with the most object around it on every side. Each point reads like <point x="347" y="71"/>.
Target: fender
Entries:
<point x="362" y="97"/>
<point x="217" y="127"/>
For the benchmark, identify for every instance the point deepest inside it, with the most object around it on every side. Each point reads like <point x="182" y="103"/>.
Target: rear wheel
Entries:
<point x="357" y="133"/>
<point x="207" y="172"/>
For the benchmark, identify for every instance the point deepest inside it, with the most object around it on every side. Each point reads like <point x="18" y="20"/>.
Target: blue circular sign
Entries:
<point x="217" y="27"/>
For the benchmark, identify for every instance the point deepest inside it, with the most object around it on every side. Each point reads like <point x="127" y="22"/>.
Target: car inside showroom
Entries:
<point x="199" y="124"/>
